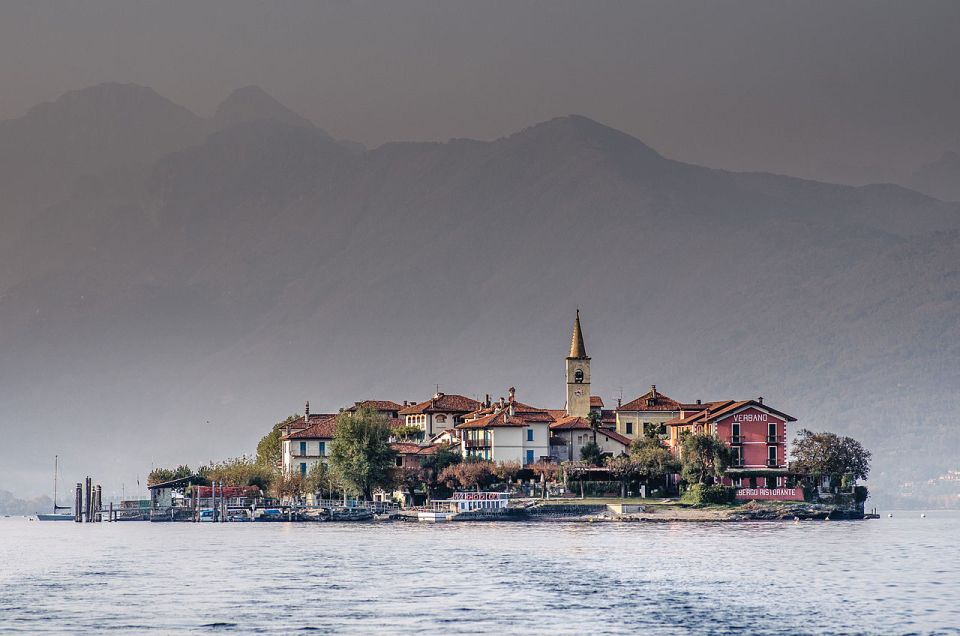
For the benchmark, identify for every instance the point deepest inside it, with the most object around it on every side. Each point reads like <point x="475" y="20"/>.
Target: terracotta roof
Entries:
<point x="652" y="400"/>
<point x="583" y="424"/>
<point x="409" y="448"/>
<point x="570" y="423"/>
<point x="596" y="401"/>
<point x="323" y="428"/>
<point x="379" y="405"/>
<point x="623" y="439"/>
<point x="497" y="420"/>
<point x="443" y="403"/>
<point x="718" y="410"/>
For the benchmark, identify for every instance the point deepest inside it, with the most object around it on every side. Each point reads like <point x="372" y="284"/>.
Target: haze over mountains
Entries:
<point x="171" y="285"/>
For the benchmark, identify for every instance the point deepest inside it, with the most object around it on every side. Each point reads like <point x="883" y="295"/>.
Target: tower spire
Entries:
<point x="577" y="349"/>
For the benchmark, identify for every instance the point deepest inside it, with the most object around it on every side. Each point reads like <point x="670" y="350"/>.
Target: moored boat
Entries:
<point x="55" y="515"/>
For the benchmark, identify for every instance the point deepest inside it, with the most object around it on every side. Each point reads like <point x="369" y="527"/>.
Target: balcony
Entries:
<point x="736" y="439"/>
<point x="477" y="443"/>
<point x="774" y="439"/>
<point x="772" y="463"/>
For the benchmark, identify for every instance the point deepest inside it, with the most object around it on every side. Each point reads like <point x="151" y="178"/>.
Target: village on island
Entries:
<point x="456" y="458"/>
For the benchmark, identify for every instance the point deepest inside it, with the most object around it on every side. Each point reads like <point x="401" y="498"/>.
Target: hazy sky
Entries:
<point x="829" y="90"/>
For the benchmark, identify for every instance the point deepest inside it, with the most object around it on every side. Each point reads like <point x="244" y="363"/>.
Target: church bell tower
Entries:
<point x="578" y="374"/>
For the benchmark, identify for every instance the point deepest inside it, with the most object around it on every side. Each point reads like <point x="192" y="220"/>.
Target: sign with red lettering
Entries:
<point x="780" y="494"/>
<point x="479" y="496"/>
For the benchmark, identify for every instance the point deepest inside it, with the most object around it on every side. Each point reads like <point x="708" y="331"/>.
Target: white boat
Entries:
<point x="56" y="516"/>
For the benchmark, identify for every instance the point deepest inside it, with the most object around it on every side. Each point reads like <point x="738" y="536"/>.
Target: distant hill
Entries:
<point x="11" y="505"/>
<point x="176" y="315"/>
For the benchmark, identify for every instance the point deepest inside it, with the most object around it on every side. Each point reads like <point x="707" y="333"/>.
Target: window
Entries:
<point x="771" y="455"/>
<point x="629" y="428"/>
<point x="738" y="482"/>
<point x="735" y="433"/>
<point x="529" y="456"/>
<point x="772" y="433"/>
<point x="771" y="482"/>
<point x="303" y="448"/>
<point x="323" y="448"/>
<point x="529" y="434"/>
<point x="737" y="455"/>
<point x="399" y="461"/>
<point x="441" y="418"/>
<point x="303" y="469"/>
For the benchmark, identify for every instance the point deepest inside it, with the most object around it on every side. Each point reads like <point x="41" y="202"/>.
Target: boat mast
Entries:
<point x="56" y="469"/>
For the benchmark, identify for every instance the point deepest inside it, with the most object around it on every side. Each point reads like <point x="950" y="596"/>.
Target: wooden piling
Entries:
<point x="78" y="503"/>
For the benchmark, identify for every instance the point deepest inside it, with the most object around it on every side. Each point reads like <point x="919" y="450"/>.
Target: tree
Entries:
<point x="321" y="480"/>
<point x="360" y="453"/>
<point x="829" y="454"/>
<point x="409" y="432"/>
<point x="624" y="469"/>
<point x="547" y="472"/>
<point x="433" y="465"/>
<point x="469" y="474"/>
<point x="507" y="471"/>
<point x="288" y="486"/>
<point x="239" y="471"/>
<point x="160" y="475"/>
<point x="591" y="454"/>
<point x="595" y="420"/>
<point x="268" y="449"/>
<point x="653" y="460"/>
<point x="576" y="471"/>
<point x="704" y="458"/>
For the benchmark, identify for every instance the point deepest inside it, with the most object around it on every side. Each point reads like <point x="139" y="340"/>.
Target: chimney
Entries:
<point x="306" y="412"/>
<point x="502" y="402"/>
<point x="487" y="402"/>
<point x="653" y="390"/>
<point x="405" y="403"/>
<point x="619" y="402"/>
<point x="760" y="399"/>
<point x="512" y="413"/>
<point x="437" y="395"/>
<point x="512" y="392"/>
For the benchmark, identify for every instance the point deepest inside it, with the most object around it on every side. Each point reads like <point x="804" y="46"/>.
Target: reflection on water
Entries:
<point x="899" y="575"/>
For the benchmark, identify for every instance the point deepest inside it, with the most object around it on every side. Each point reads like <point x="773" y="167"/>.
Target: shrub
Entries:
<point x="860" y="493"/>
<point x="701" y="494"/>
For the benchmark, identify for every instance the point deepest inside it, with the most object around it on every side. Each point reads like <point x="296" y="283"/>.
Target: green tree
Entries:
<point x="596" y="420"/>
<point x="239" y="471"/>
<point x="654" y="461"/>
<point x="410" y="432"/>
<point x="829" y="454"/>
<point x="160" y="475"/>
<point x="704" y="458"/>
<point x="268" y="449"/>
<point x="624" y="469"/>
<point x="433" y="465"/>
<point x="591" y="453"/>
<point x="320" y="480"/>
<point x="360" y="453"/>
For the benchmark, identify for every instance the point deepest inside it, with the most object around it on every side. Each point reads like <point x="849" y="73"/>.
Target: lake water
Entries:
<point x="890" y="576"/>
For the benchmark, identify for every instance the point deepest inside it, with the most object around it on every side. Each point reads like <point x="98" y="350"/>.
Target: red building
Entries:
<point x="755" y="432"/>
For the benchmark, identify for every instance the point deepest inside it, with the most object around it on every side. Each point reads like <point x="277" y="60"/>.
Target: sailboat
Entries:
<point x="56" y="516"/>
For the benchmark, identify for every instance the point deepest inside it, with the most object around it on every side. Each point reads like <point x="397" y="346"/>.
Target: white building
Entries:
<point x="302" y="447"/>
<point x="439" y="413"/>
<point x="507" y="431"/>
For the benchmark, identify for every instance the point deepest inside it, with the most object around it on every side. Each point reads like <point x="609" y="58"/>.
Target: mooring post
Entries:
<point x="98" y="515"/>
<point x="78" y="503"/>
<point x="88" y="504"/>
<point x="110" y="517"/>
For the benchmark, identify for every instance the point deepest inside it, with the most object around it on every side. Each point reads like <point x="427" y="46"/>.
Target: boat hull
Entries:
<point x="54" y="517"/>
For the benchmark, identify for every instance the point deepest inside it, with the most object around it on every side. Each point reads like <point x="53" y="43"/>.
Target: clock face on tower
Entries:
<point x="578" y="392"/>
